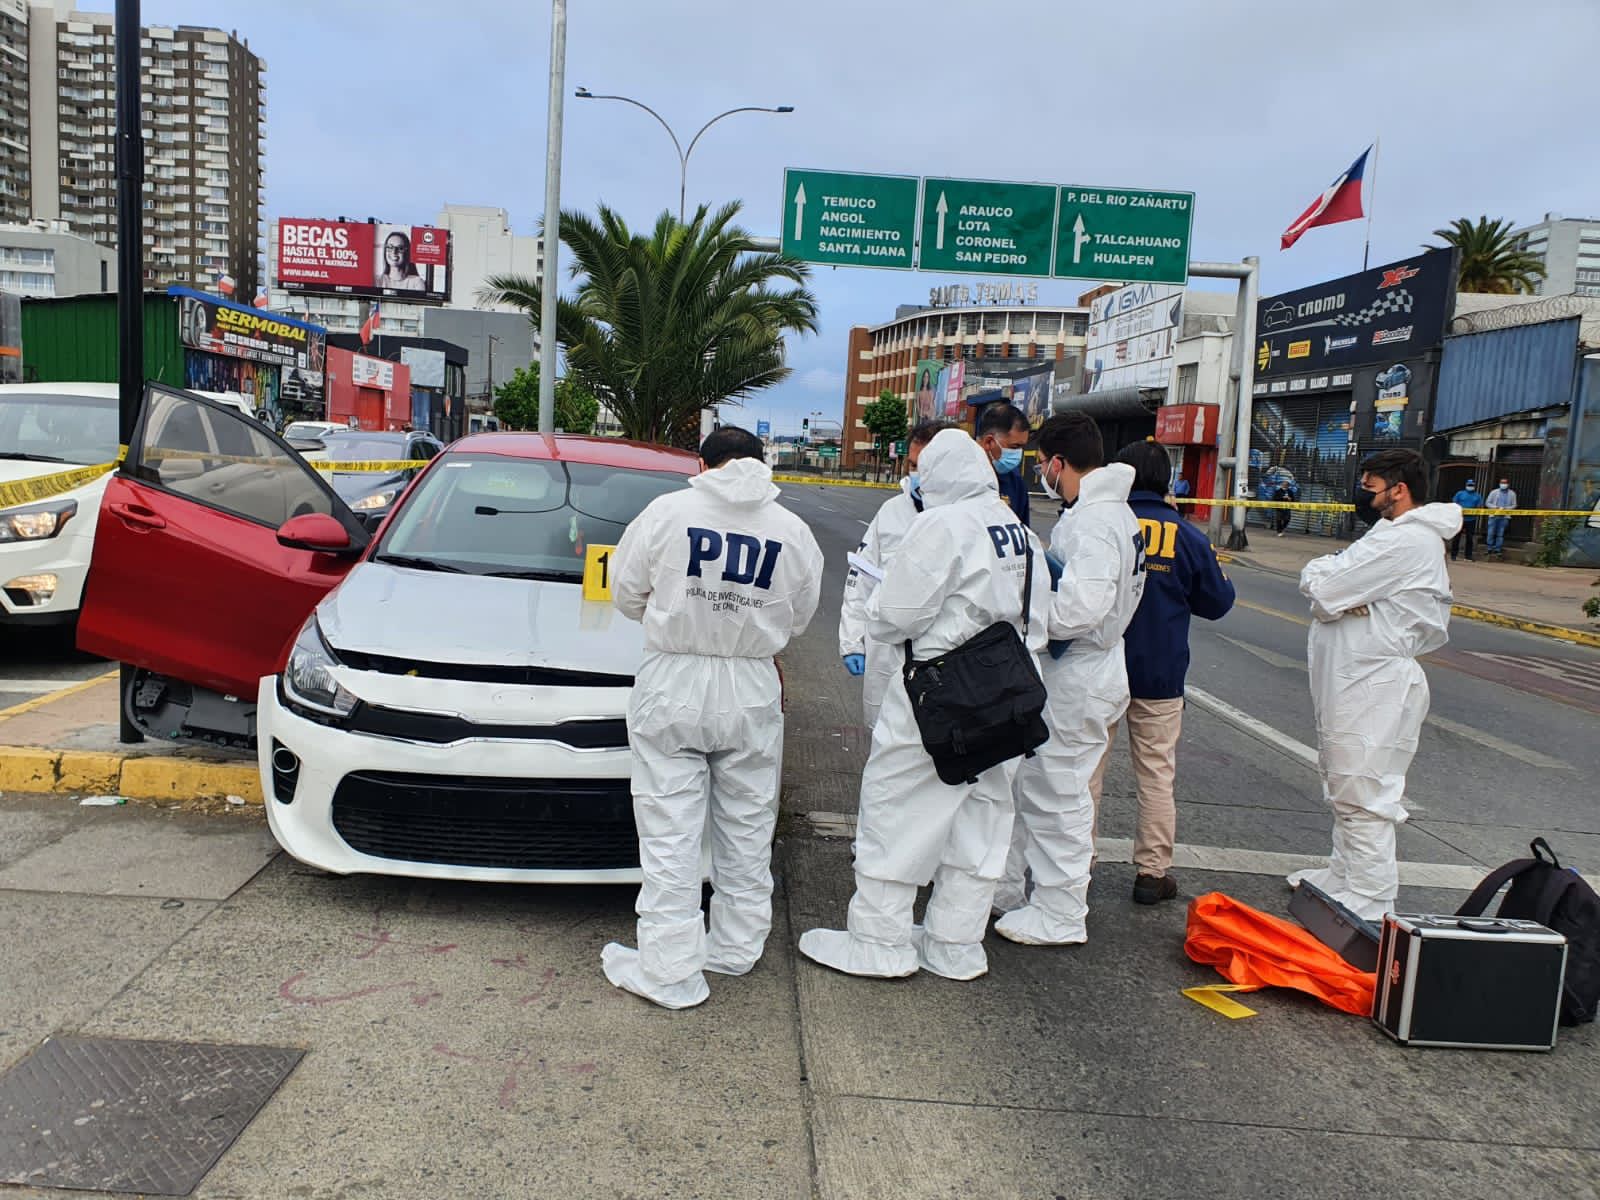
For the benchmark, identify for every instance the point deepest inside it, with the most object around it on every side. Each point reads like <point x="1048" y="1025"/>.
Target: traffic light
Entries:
<point x="805" y="425"/>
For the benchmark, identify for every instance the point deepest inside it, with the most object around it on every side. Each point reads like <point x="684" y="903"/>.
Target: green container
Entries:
<point x="74" y="340"/>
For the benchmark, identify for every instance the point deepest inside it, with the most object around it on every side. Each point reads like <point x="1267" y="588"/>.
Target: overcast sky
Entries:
<point x="1255" y="105"/>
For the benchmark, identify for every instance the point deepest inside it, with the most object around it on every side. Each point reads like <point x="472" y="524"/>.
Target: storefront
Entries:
<point x="1189" y="431"/>
<point x="275" y="362"/>
<point x="1343" y="369"/>
<point x="369" y="393"/>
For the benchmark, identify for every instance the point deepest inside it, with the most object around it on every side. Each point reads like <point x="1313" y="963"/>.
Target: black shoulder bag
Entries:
<point x="981" y="703"/>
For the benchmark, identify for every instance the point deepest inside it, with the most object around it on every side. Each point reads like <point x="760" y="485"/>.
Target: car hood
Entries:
<point x="438" y="617"/>
<point x="352" y="485"/>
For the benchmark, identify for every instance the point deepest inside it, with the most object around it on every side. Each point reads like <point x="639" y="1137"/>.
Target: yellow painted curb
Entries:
<point x="139" y="777"/>
<point x="1579" y="636"/>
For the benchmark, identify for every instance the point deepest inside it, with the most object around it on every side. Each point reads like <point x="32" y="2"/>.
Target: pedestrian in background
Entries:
<point x="1501" y="498"/>
<point x="1003" y="433"/>
<point x="1469" y="499"/>
<point x="1280" y="517"/>
<point x="876" y="662"/>
<point x="1102" y="578"/>
<point x="1182" y="576"/>
<point x="966" y="570"/>
<point x="1378" y="605"/>
<point x="721" y="577"/>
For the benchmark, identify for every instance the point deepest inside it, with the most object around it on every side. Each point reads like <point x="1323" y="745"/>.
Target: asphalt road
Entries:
<point x="37" y="661"/>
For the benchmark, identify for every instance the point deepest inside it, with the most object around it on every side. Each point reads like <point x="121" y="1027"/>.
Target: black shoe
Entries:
<point x="1152" y="889"/>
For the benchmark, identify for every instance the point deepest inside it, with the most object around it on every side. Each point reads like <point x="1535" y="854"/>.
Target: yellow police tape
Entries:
<point x="855" y="483"/>
<point x="1314" y="506"/>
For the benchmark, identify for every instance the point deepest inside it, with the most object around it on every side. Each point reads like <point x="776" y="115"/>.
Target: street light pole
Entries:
<point x="552" y="219"/>
<point x="683" y="155"/>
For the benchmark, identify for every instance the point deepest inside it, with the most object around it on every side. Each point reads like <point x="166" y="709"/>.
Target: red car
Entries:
<point x="435" y="697"/>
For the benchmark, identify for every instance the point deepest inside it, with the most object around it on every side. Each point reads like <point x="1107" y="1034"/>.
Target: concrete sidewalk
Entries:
<point x="66" y="741"/>
<point x="1541" y="600"/>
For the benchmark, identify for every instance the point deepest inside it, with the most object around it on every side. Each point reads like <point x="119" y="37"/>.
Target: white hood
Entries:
<point x="952" y="468"/>
<point x="441" y="617"/>
<point x="742" y="482"/>
<point x="1443" y="519"/>
<point x="1106" y="485"/>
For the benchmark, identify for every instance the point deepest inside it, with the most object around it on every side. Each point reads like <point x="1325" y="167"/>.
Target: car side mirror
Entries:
<point x="317" y="532"/>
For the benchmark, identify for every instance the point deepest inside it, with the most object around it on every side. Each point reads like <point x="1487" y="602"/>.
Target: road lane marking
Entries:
<point x="1257" y="729"/>
<point x="1271" y="612"/>
<point x="1510" y="749"/>
<point x="1230" y="859"/>
<point x="1271" y="657"/>
<point x="40" y="701"/>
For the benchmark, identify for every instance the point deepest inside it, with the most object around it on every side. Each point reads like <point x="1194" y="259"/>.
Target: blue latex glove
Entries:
<point x="856" y="664"/>
<point x="1057" y="569"/>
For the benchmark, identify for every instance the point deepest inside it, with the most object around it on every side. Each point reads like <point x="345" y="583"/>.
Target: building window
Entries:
<point x="1188" y="382"/>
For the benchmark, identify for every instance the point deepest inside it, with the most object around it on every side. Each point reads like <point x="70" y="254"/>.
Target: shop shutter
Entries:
<point x="1306" y="438"/>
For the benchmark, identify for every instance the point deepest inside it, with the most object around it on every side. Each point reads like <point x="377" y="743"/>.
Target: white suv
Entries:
<point x="45" y="545"/>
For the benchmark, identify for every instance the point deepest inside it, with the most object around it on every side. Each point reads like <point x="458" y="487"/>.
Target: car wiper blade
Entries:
<point x="420" y="564"/>
<point x="18" y="455"/>
<point x="554" y="576"/>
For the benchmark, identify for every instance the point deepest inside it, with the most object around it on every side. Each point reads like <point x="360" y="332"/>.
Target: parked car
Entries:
<point x="370" y="494"/>
<point x="439" y="701"/>
<point x="45" y="545"/>
<point x="309" y="434"/>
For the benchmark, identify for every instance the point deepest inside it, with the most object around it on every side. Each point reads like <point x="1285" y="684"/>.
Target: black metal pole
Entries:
<point x="130" y="258"/>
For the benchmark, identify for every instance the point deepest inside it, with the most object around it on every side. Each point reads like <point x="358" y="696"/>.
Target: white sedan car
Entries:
<point x="440" y="700"/>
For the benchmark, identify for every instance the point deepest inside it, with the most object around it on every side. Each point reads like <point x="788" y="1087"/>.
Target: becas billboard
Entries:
<point x="347" y="258"/>
<point x="1133" y="332"/>
<point x="1390" y="312"/>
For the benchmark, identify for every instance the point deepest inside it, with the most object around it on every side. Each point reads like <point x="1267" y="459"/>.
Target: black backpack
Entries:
<point x="1557" y="897"/>
<point x="982" y="703"/>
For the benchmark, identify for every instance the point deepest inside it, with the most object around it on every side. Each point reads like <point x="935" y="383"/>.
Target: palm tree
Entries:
<point x="664" y="326"/>
<point x="1491" y="260"/>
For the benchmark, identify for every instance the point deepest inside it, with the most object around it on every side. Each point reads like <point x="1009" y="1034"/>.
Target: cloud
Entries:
<point x="820" y="379"/>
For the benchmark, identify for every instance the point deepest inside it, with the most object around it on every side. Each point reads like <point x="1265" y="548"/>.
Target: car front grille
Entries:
<point x="610" y="733"/>
<point x="480" y="672"/>
<point x="522" y="824"/>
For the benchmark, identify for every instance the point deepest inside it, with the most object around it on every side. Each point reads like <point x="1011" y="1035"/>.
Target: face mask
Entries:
<point x="915" y="482"/>
<point x="1008" y="461"/>
<point x="1044" y="482"/>
<point x="1365" y="513"/>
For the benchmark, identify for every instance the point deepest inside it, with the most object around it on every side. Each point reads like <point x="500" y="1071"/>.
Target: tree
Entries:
<point x="664" y="326"/>
<point x="885" y="419"/>
<point x="1491" y="260"/>
<point x="516" y="402"/>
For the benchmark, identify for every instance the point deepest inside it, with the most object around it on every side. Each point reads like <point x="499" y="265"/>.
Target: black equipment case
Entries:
<point x="1487" y="983"/>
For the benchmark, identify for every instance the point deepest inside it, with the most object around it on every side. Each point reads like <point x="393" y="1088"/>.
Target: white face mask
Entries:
<point x="1044" y="481"/>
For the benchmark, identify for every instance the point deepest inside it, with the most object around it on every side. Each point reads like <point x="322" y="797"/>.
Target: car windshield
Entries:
<point x="309" y="431"/>
<point x="353" y="447"/>
<point x="491" y="515"/>
<point x="50" y="427"/>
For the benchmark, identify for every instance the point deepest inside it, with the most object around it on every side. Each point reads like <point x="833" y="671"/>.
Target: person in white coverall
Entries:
<point x="877" y="662"/>
<point x="722" y="578"/>
<point x="1102" y="580"/>
<point x="1378" y="605"/>
<point x="963" y="571"/>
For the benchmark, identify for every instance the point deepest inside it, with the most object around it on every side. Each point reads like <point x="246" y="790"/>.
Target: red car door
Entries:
<point x="188" y="578"/>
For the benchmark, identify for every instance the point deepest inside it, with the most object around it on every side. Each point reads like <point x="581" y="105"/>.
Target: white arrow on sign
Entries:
<point x="799" y="209"/>
<point x="1079" y="237"/>
<point x="941" y="208"/>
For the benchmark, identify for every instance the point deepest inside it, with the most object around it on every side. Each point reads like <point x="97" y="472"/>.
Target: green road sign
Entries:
<point x="828" y="452"/>
<point x="849" y="219"/>
<point x="1124" y="234"/>
<point x="971" y="225"/>
<point x="899" y="449"/>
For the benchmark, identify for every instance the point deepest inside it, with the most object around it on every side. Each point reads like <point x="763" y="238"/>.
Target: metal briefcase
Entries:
<point x="1489" y="983"/>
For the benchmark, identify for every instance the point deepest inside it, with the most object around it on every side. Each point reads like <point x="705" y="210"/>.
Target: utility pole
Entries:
<point x="552" y="219"/>
<point x="130" y="263"/>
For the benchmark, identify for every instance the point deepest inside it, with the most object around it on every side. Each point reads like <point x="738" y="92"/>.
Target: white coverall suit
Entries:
<point x="962" y="572"/>
<point x="1102" y="580"/>
<point x="1369" y="694"/>
<point x="878" y="546"/>
<point x="722" y="578"/>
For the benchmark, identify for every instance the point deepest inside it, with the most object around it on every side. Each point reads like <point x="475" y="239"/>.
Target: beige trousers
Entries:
<point x="1153" y="729"/>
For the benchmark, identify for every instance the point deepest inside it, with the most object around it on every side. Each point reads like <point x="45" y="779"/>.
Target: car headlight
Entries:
<point x="376" y="501"/>
<point x="37" y="521"/>
<point x="308" y="677"/>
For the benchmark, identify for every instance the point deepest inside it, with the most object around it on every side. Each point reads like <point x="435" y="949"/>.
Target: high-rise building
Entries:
<point x="14" y="191"/>
<point x="203" y="95"/>
<point x="1570" y="252"/>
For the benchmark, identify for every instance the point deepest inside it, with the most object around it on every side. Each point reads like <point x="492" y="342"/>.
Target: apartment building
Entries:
<point x="1570" y="251"/>
<point x="203" y="114"/>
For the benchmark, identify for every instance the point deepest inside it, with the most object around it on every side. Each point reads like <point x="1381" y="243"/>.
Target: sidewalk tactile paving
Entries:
<point x="110" y="1115"/>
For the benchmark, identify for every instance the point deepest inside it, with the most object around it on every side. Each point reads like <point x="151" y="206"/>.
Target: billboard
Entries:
<point x="217" y="326"/>
<point x="372" y="372"/>
<point x="348" y="258"/>
<point x="1132" y="334"/>
<point x="948" y="392"/>
<point x="1390" y="312"/>
<point x="925" y="403"/>
<point x="1031" y="390"/>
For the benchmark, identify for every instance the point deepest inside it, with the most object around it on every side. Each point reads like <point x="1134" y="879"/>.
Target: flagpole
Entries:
<point x="1372" y="193"/>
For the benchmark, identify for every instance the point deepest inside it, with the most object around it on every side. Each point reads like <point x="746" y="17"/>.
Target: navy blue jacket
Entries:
<point x="1182" y="575"/>
<point x="1014" y="491"/>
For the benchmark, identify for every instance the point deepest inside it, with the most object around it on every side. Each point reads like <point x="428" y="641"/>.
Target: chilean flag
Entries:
<point x="370" y="325"/>
<point x="1340" y="202"/>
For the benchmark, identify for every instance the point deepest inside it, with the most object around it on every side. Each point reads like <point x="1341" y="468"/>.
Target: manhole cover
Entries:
<point x="106" y="1115"/>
